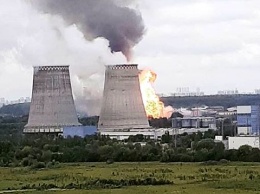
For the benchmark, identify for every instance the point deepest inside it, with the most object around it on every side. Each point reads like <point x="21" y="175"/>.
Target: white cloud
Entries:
<point x="200" y="43"/>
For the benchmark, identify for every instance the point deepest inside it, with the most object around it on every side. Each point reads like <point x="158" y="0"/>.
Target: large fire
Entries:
<point x="153" y="106"/>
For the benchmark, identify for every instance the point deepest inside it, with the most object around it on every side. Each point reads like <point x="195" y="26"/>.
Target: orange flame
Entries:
<point x="153" y="106"/>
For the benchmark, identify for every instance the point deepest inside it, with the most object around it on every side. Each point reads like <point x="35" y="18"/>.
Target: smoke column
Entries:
<point x="122" y="26"/>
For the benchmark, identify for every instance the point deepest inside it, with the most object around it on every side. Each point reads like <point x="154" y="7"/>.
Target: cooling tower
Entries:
<point x="122" y="107"/>
<point x="52" y="106"/>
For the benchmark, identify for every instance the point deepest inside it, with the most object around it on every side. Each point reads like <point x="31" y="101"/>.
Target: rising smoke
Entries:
<point x="122" y="26"/>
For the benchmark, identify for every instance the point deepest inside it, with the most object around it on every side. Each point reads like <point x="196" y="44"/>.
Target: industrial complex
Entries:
<point x="123" y="114"/>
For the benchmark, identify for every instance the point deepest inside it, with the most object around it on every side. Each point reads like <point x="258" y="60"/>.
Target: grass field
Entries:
<point x="232" y="178"/>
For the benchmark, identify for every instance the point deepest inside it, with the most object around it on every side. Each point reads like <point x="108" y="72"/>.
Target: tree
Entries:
<point x="244" y="153"/>
<point x="166" y="138"/>
<point x="205" y="144"/>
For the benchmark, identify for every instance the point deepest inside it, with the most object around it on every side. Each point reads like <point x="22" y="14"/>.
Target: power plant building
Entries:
<point x="52" y="106"/>
<point x="122" y="106"/>
<point x="248" y="120"/>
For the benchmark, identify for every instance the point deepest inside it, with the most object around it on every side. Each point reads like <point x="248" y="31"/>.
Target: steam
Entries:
<point x="122" y="26"/>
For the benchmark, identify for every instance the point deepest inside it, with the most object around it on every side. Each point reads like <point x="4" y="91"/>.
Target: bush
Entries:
<point x="39" y="165"/>
<point x="223" y="161"/>
<point x="110" y="161"/>
<point x="25" y="162"/>
<point x="210" y="162"/>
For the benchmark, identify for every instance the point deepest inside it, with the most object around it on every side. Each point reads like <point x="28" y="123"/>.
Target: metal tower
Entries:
<point x="122" y="107"/>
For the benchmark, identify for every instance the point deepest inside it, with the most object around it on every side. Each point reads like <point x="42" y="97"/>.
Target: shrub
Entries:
<point x="110" y="161"/>
<point x="25" y="162"/>
<point x="38" y="165"/>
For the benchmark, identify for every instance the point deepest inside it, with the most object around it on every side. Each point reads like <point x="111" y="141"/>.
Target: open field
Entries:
<point x="115" y="178"/>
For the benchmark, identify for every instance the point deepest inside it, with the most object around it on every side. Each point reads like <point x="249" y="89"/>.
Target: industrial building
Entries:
<point x="194" y="122"/>
<point x="237" y="142"/>
<point x="154" y="134"/>
<point x="122" y="106"/>
<point x="52" y="106"/>
<point x="79" y="131"/>
<point x="248" y="120"/>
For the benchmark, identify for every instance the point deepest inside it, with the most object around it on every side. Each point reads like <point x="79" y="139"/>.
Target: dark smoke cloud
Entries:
<point x="122" y="26"/>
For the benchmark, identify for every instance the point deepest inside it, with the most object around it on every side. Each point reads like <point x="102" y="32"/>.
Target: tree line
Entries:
<point x="46" y="151"/>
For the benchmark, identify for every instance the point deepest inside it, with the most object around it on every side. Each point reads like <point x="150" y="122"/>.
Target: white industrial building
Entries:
<point x="155" y="134"/>
<point x="122" y="135"/>
<point x="237" y="142"/>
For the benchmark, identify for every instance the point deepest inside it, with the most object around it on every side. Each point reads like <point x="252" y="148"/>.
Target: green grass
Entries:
<point x="194" y="178"/>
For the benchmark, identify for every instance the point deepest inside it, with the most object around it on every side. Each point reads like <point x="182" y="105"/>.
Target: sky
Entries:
<point x="211" y="44"/>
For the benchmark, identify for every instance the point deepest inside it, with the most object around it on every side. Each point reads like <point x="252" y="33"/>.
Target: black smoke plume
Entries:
<point x="122" y="26"/>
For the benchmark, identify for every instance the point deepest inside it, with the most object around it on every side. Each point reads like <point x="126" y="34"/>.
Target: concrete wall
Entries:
<point x="236" y="142"/>
<point x="122" y="106"/>
<point x="52" y="102"/>
<point x="243" y="130"/>
<point x="244" y="110"/>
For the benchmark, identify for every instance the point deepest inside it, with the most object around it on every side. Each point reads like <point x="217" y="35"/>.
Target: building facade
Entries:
<point x="237" y="142"/>
<point x="248" y="120"/>
<point x="194" y="122"/>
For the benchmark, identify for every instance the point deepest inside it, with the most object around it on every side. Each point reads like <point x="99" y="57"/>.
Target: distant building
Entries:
<point x="194" y="122"/>
<point x="154" y="134"/>
<point x="228" y="92"/>
<point x="186" y="92"/>
<point x="230" y="112"/>
<point x="2" y="102"/>
<point x="248" y="120"/>
<point x="237" y="142"/>
<point x="227" y="113"/>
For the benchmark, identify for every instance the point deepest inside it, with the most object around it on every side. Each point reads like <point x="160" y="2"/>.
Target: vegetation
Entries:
<point x="136" y="178"/>
<point x="47" y="151"/>
<point x="16" y="110"/>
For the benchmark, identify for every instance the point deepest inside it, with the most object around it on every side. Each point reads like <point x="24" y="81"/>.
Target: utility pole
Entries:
<point x="175" y="139"/>
<point x="235" y="128"/>
<point x="222" y="128"/>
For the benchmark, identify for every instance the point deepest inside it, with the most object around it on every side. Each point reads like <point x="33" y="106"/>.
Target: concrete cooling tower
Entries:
<point x="122" y="107"/>
<point x="52" y="107"/>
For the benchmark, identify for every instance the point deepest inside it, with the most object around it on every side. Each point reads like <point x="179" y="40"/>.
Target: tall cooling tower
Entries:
<point x="122" y="106"/>
<point x="52" y="106"/>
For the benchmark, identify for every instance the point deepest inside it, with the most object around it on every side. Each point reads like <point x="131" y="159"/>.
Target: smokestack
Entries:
<point x="52" y="106"/>
<point x="122" y="26"/>
<point x="122" y="106"/>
